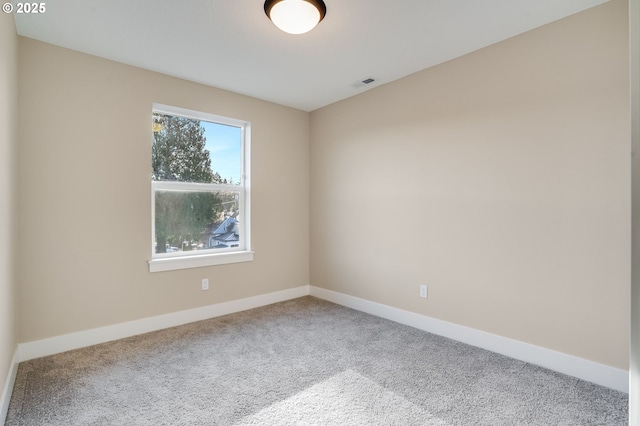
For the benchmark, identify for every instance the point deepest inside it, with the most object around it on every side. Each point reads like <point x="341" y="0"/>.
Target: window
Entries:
<point x="199" y="190"/>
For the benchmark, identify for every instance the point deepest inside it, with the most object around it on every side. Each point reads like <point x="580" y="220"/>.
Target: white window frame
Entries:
<point x="193" y="259"/>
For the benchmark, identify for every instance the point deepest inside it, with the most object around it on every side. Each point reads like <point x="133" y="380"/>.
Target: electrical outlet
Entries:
<point x="205" y="284"/>
<point x="423" y="291"/>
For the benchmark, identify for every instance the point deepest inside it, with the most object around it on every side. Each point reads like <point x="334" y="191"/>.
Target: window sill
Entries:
<point x="197" y="261"/>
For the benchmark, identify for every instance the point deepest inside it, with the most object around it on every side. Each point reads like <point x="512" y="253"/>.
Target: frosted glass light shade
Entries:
<point x="295" y="16"/>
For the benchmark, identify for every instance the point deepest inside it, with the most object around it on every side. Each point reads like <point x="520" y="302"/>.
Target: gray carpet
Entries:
<point x="300" y="362"/>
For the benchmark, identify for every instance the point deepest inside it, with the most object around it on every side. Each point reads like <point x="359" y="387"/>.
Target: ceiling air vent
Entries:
<point x="364" y="82"/>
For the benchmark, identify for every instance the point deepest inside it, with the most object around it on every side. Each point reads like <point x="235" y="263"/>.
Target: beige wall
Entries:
<point x="634" y="374"/>
<point x="84" y="185"/>
<point x="500" y="179"/>
<point x="8" y="132"/>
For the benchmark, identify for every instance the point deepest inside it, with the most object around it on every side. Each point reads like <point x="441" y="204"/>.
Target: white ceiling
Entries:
<point x="232" y="45"/>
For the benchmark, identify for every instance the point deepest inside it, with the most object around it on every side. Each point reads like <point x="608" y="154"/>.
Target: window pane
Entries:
<point x="224" y="144"/>
<point x="192" y="150"/>
<point x="187" y="221"/>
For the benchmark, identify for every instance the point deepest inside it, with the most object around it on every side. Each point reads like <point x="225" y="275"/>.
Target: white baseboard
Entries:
<point x="67" y="342"/>
<point x="594" y="372"/>
<point x="604" y="375"/>
<point x="8" y="387"/>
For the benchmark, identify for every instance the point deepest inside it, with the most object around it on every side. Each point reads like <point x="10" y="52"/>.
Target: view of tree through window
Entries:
<point x="197" y="181"/>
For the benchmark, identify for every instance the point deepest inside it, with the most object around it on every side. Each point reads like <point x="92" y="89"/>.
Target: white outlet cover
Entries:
<point x="423" y="291"/>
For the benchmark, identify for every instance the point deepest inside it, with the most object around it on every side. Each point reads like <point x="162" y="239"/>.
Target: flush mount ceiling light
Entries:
<point x="295" y="16"/>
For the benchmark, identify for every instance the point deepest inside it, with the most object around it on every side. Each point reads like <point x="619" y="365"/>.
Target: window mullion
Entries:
<point x="188" y="186"/>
